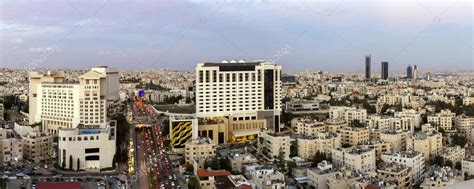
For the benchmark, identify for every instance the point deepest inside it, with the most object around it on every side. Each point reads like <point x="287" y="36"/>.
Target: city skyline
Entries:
<point x="306" y="35"/>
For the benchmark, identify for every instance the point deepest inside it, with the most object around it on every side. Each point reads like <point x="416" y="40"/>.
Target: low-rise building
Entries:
<point x="87" y="148"/>
<point x="380" y="147"/>
<point x="354" y="136"/>
<point x="237" y="161"/>
<point x="443" y="119"/>
<point x="440" y="177"/>
<point x="428" y="143"/>
<point x="11" y="147"/>
<point x="354" y="158"/>
<point x="198" y="150"/>
<point x="468" y="165"/>
<point x="412" y="159"/>
<point x="463" y="124"/>
<point x="268" y="178"/>
<point x="274" y="145"/>
<point x="209" y="178"/>
<point x="397" y="138"/>
<point x="317" y="176"/>
<point x="37" y="146"/>
<point x="453" y="153"/>
<point x="308" y="146"/>
<point x="399" y="173"/>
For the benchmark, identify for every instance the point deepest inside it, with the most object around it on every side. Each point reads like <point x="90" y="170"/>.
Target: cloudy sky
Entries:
<point x="300" y="34"/>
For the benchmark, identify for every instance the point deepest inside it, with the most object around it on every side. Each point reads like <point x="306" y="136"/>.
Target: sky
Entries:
<point x="330" y="35"/>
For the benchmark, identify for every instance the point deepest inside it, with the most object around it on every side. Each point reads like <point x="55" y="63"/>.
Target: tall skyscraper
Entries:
<point x="409" y="72"/>
<point x="367" y="67"/>
<point x="415" y="72"/>
<point x="239" y="89"/>
<point x="384" y="70"/>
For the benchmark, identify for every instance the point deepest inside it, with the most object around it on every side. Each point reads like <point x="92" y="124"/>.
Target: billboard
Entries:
<point x="180" y="132"/>
<point x="141" y="93"/>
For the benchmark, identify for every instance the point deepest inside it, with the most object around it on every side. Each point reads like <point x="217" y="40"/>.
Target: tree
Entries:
<point x="78" y="164"/>
<point x="189" y="169"/>
<point x="459" y="140"/>
<point x="225" y="164"/>
<point x="318" y="157"/>
<point x="458" y="165"/>
<point x="291" y="165"/>
<point x="448" y="163"/>
<point x="370" y="108"/>
<point x="63" y="165"/>
<point x="438" y="160"/>
<point x="70" y="162"/>
<point x="357" y="123"/>
<point x="193" y="183"/>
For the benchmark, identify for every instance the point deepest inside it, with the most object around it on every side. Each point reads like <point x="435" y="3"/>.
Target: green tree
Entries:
<point x="3" y="184"/>
<point x="70" y="162"/>
<point x="459" y="140"/>
<point x="291" y="165"/>
<point x="193" y="183"/>
<point x="189" y="169"/>
<point x="225" y="164"/>
<point x="78" y="164"/>
<point x="438" y="160"/>
<point x="317" y="158"/>
<point x="448" y="163"/>
<point x="63" y="165"/>
<point x="458" y="165"/>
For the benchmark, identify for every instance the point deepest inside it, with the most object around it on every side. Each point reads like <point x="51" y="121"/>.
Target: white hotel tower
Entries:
<point x="243" y="90"/>
<point x="58" y="103"/>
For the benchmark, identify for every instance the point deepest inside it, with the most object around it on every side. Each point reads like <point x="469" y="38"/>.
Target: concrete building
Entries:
<point x="244" y="90"/>
<point x="198" y="150"/>
<point x="367" y="67"/>
<point x="11" y="147"/>
<point x="267" y="178"/>
<point x="444" y="119"/>
<point x="37" y="146"/>
<point x="348" y="114"/>
<point x="380" y="147"/>
<point x="317" y="176"/>
<point x="308" y="146"/>
<point x="57" y="102"/>
<point x="413" y="159"/>
<point x="463" y="124"/>
<point x="354" y="159"/>
<point x="428" y="143"/>
<point x="2" y="111"/>
<point x="397" y="138"/>
<point x="384" y="73"/>
<point x="399" y="173"/>
<point x="453" y="153"/>
<point x="468" y="165"/>
<point x="237" y="161"/>
<point x="440" y="177"/>
<point x="92" y="146"/>
<point x="273" y="145"/>
<point x="354" y="136"/>
<point x="209" y="179"/>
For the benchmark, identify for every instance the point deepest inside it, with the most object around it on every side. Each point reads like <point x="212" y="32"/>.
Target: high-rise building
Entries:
<point x="415" y="72"/>
<point x="409" y="72"/>
<point x="367" y="67"/>
<point x="384" y="70"/>
<point x="55" y="102"/>
<point x="241" y="90"/>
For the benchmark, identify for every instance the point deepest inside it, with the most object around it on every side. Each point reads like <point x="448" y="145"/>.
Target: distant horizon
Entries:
<point x="315" y="35"/>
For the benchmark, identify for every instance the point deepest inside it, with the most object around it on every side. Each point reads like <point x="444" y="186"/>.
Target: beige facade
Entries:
<point x="463" y="124"/>
<point x="273" y="145"/>
<point x="441" y="177"/>
<point x="354" y="136"/>
<point x="455" y="153"/>
<point x="413" y="159"/>
<point x="380" y="147"/>
<point x="444" y="119"/>
<point x="318" y="178"/>
<point x="399" y="173"/>
<point x="308" y="146"/>
<point x="37" y="147"/>
<point x="468" y="166"/>
<point x="429" y="144"/>
<point x="397" y="138"/>
<point x="11" y="147"/>
<point x="354" y="159"/>
<point x="198" y="150"/>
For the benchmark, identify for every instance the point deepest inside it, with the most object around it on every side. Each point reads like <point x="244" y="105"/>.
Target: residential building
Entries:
<point x="444" y="119"/>
<point x="208" y="179"/>
<point x="11" y="147"/>
<point x="354" y="136"/>
<point x="428" y="143"/>
<point x="317" y="176"/>
<point x="238" y="160"/>
<point x="413" y="159"/>
<point x="354" y="158"/>
<point x="380" y="147"/>
<point x="308" y="146"/>
<point x="440" y="177"/>
<point x="399" y="173"/>
<point x="468" y="165"/>
<point x="199" y="150"/>
<point x="274" y="145"/>
<point x="349" y="114"/>
<point x="453" y="153"/>
<point x="37" y="146"/>
<point x="267" y="178"/>
<point x="397" y="138"/>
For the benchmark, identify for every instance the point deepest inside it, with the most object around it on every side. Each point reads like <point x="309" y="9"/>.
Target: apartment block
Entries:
<point x="443" y="119"/>
<point x="11" y="147"/>
<point x="453" y="153"/>
<point x="198" y="150"/>
<point x="273" y="145"/>
<point x="399" y="173"/>
<point x="354" y="136"/>
<point x="413" y="159"/>
<point x="308" y="146"/>
<point x="354" y="159"/>
<point x="397" y="138"/>
<point x="428" y="143"/>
